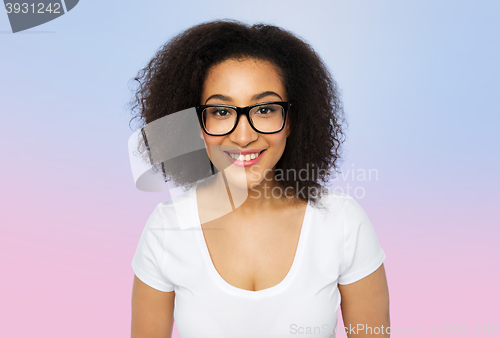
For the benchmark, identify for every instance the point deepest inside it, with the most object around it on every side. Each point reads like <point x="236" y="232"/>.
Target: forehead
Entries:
<point x="242" y="79"/>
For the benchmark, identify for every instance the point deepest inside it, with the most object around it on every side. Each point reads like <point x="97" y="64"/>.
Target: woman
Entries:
<point x="275" y="252"/>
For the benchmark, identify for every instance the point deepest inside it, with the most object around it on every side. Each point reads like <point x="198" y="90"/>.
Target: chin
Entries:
<point x="240" y="179"/>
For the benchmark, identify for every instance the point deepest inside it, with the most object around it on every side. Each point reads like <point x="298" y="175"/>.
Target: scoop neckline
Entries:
<point x="243" y="292"/>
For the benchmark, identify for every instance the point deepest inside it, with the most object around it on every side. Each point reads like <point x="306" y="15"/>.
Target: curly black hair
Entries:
<point x="317" y="115"/>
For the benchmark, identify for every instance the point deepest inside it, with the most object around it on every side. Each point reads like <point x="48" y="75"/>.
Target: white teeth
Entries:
<point x="247" y="157"/>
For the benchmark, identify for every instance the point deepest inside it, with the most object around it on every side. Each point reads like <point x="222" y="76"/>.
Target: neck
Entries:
<point x="242" y="199"/>
<point x="267" y="193"/>
<point x="217" y="197"/>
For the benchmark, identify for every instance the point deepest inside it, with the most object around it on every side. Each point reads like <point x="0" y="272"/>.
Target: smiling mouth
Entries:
<point x="244" y="158"/>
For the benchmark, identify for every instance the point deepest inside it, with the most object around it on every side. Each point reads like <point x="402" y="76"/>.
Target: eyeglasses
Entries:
<point x="264" y="118"/>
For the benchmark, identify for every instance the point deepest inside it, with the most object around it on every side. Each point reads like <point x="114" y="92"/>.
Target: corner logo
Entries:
<point x="28" y="14"/>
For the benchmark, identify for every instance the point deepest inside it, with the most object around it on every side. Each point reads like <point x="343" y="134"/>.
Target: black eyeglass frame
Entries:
<point x="243" y="111"/>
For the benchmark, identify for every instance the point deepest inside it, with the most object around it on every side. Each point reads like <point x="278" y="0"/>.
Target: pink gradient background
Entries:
<point x="420" y="86"/>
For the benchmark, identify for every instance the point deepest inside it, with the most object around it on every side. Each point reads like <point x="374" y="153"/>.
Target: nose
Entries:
<point x="243" y="134"/>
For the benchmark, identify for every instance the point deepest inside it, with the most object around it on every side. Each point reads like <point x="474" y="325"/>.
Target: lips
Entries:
<point x="244" y="158"/>
<point x="245" y="151"/>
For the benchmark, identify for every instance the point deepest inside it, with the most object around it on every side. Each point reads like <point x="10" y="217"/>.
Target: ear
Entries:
<point x="201" y="135"/>
<point x="288" y="128"/>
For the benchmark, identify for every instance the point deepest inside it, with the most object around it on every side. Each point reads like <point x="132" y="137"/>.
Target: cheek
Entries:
<point x="212" y="143"/>
<point x="211" y="140"/>
<point x="278" y="141"/>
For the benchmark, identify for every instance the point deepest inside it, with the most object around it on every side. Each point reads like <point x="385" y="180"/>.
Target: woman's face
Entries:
<point x="244" y="83"/>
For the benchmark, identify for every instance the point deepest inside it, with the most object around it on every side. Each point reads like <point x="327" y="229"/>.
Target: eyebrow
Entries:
<point x="255" y="97"/>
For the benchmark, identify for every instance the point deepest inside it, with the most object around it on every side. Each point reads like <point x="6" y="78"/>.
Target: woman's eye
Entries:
<point x="264" y="110"/>
<point x="222" y="112"/>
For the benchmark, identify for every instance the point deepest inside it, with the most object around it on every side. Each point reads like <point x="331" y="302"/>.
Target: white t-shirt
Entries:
<point x="336" y="246"/>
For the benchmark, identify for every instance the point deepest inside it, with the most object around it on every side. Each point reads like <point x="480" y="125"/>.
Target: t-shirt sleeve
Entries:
<point x="362" y="251"/>
<point x="148" y="262"/>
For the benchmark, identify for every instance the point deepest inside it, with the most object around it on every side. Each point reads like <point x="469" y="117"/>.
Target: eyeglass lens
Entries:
<point x="266" y="118"/>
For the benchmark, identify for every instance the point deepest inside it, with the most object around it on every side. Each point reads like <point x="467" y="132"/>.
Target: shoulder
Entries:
<point x="331" y="201"/>
<point x="340" y="210"/>
<point x="177" y="212"/>
<point x="327" y="213"/>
